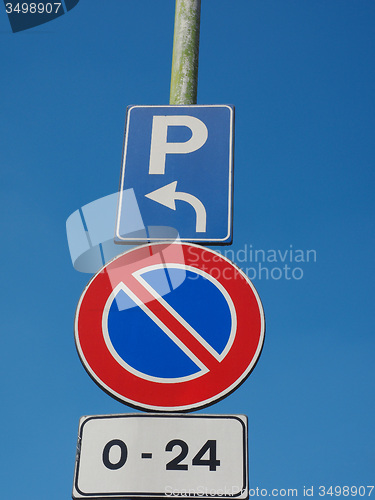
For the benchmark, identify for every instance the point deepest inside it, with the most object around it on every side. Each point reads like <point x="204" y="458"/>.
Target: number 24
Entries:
<point x="209" y="447"/>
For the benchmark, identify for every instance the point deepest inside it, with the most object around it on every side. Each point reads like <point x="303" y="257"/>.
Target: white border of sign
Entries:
<point x="227" y="240"/>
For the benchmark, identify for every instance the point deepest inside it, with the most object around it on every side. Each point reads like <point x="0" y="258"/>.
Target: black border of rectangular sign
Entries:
<point x="126" y="495"/>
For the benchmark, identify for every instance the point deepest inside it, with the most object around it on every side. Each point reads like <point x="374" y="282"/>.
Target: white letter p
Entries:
<point x="160" y="147"/>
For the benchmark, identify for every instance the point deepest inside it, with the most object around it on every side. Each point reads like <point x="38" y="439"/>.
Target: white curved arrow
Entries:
<point x="167" y="195"/>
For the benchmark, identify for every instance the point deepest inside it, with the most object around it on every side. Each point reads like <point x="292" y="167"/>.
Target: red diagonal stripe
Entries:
<point x="172" y="323"/>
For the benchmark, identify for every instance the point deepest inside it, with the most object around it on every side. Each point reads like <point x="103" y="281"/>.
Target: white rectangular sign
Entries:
<point x="158" y="456"/>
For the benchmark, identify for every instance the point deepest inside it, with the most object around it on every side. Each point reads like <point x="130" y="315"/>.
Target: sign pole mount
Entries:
<point x="184" y="78"/>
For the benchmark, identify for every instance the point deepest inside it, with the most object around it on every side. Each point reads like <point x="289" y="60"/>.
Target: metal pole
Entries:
<point x="184" y="79"/>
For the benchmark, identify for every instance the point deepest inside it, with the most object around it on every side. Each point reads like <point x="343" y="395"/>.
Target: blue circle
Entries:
<point x="143" y="345"/>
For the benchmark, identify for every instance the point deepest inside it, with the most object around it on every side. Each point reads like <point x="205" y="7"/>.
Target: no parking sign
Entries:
<point x="169" y="327"/>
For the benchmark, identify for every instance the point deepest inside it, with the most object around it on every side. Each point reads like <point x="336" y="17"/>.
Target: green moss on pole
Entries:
<point x="184" y="80"/>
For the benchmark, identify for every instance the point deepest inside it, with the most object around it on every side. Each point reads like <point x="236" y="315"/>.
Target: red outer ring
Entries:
<point x="181" y="396"/>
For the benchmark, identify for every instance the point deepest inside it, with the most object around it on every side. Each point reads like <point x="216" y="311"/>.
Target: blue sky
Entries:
<point x="301" y="76"/>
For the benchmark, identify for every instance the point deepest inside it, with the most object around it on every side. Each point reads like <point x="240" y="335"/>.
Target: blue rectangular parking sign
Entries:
<point x="178" y="160"/>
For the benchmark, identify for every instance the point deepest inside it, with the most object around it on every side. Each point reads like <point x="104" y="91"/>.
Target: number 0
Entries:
<point x="123" y="454"/>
